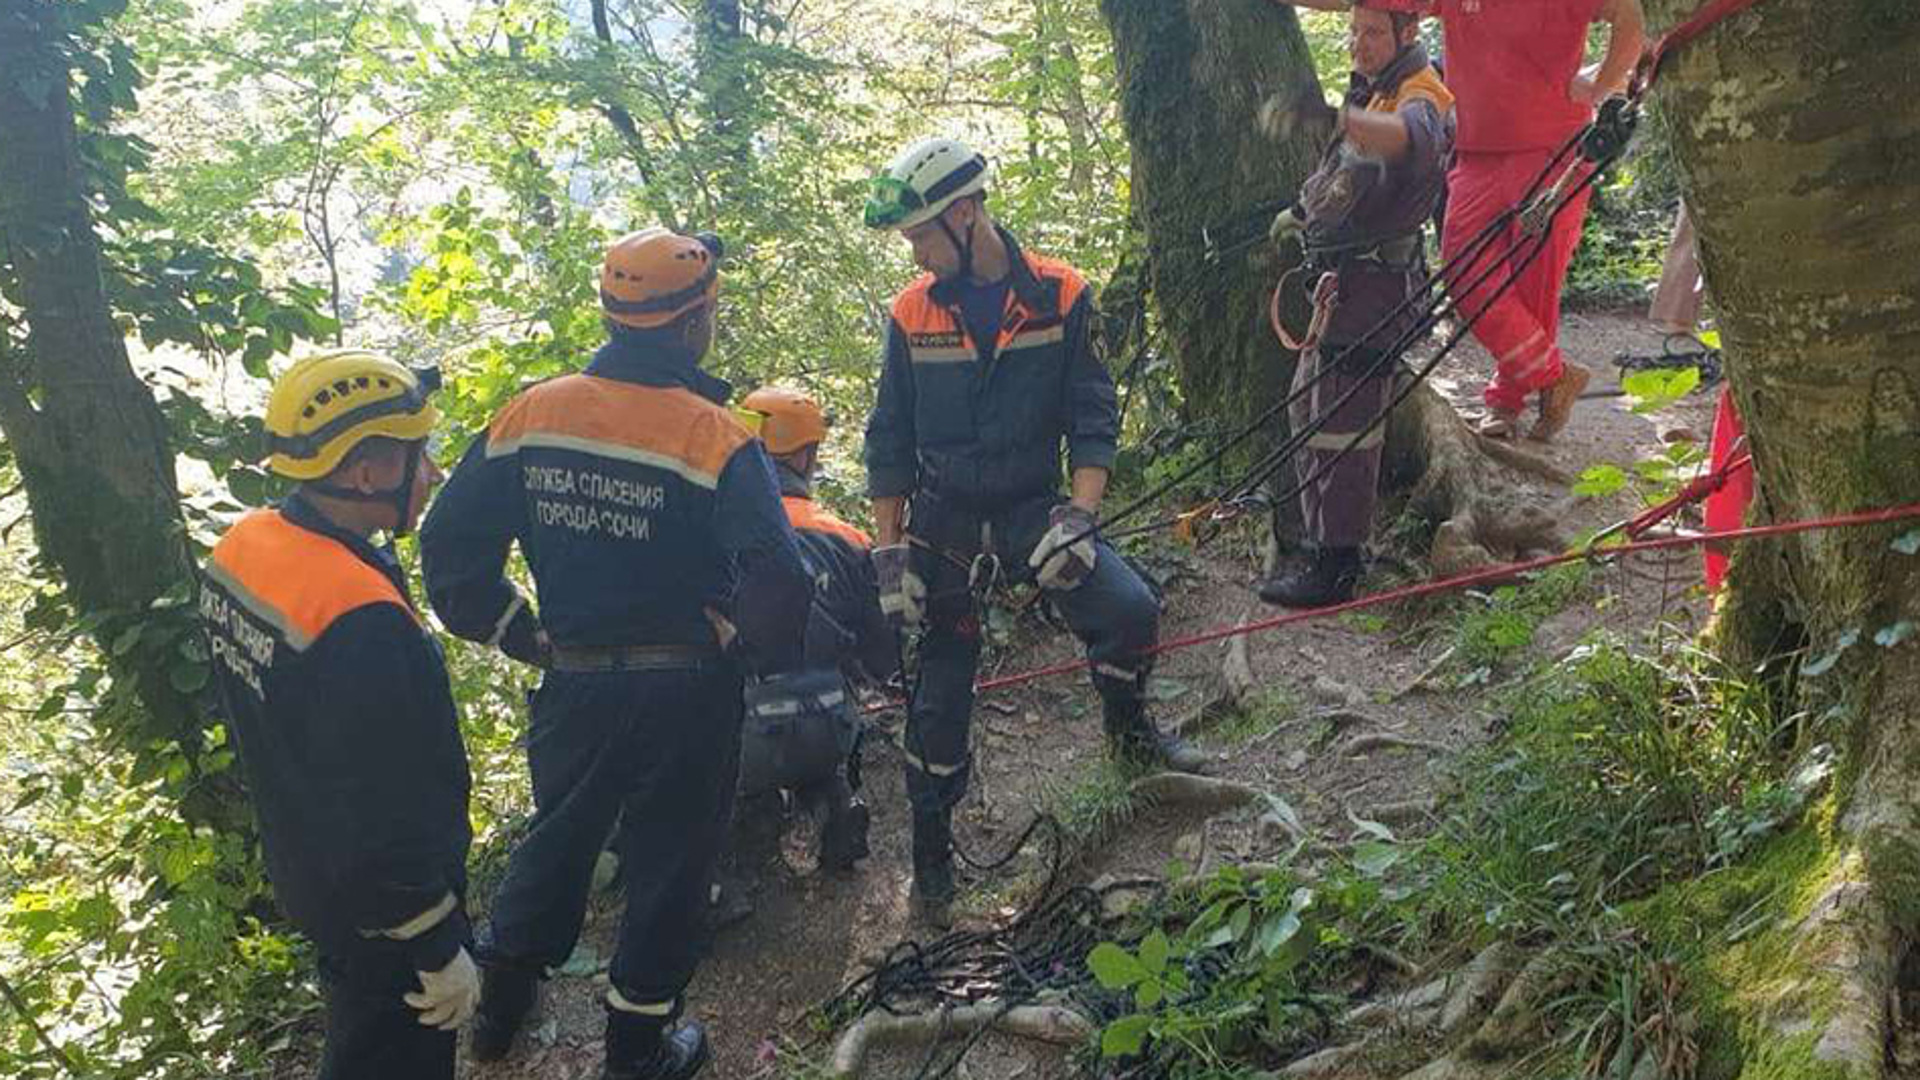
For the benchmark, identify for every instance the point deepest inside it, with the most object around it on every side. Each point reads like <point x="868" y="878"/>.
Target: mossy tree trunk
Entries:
<point x="91" y="444"/>
<point x="1799" y="134"/>
<point x="1193" y="75"/>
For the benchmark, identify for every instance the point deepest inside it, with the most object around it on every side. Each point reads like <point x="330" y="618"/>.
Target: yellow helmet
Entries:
<point x="786" y="420"/>
<point x="328" y="403"/>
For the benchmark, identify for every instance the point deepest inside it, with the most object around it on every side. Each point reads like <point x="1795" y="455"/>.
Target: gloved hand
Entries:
<point x="1287" y="225"/>
<point x="1064" y="556"/>
<point x="526" y="641"/>
<point x="447" y="997"/>
<point x="903" y="596"/>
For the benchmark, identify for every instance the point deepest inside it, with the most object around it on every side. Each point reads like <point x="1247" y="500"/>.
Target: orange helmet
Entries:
<point x="652" y="277"/>
<point x="787" y="420"/>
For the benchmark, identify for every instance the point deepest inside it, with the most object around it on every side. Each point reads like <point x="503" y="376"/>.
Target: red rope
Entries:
<point x="1463" y="581"/>
<point x="1680" y="36"/>
<point x="1695" y="491"/>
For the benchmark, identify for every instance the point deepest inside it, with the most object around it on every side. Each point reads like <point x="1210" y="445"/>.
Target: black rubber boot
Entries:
<point x="1329" y="579"/>
<point x="1133" y="739"/>
<point x="933" y="868"/>
<point x="507" y="994"/>
<point x="843" y="834"/>
<point x="642" y="1048"/>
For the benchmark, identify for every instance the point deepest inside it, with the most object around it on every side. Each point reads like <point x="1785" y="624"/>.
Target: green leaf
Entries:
<point x="1125" y="1036"/>
<point x="1242" y="918"/>
<point x="1823" y="664"/>
<point x="1276" y="932"/>
<point x="1147" y="995"/>
<point x="1373" y="828"/>
<point x="1907" y="543"/>
<point x="1889" y="636"/>
<point x="1375" y="858"/>
<point x="1599" y="481"/>
<point x="1153" y="952"/>
<point x="1114" y="967"/>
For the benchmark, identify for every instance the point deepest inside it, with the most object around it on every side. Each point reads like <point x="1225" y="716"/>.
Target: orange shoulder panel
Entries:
<point x="807" y="514"/>
<point x="670" y="428"/>
<point x="1422" y="85"/>
<point x="915" y="311"/>
<point x="296" y="579"/>
<point x="1072" y="283"/>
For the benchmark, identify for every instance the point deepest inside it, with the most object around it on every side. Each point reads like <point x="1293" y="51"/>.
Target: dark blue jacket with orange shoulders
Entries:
<point x="637" y="500"/>
<point x="984" y="427"/>
<point x="337" y="697"/>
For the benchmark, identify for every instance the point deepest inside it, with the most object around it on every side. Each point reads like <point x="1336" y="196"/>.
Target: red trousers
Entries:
<point x="1521" y="327"/>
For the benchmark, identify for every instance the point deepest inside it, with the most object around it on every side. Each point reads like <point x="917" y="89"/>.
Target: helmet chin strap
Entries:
<point x="400" y="497"/>
<point x="965" y="250"/>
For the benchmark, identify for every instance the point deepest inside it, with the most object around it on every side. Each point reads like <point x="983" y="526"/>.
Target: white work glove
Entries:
<point x="1064" y="557"/>
<point x="447" y="997"/>
<point x="903" y="596"/>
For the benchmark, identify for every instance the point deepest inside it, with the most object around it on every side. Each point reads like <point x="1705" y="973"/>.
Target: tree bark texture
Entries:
<point x="1799" y="134"/>
<point x="91" y="445"/>
<point x="1193" y="75"/>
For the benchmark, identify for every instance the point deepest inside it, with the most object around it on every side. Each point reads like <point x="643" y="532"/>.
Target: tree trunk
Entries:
<point x="91" y="445"/>
<point x="1800" y="153"/>
<point x="1193" y="75"/>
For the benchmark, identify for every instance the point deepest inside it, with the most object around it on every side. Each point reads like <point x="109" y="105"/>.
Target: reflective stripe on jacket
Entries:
<point x="338" y="700"/>
<point x="985" y="426"/>
<point x="637" y="500"/>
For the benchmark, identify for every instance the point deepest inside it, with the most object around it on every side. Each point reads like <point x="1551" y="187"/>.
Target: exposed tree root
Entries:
<point x="1478" y="985"/>
<point x="1197" y="792"/>
<point x="1465" y="485"/>
<point x="1054" y="1024"/>
<point x="1366" y="744"/>
<point x="1515" y="1022"/>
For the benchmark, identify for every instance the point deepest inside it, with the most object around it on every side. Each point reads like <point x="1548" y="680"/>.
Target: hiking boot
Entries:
<point x="507" y="994"/>
<point x="843" y="839"/>
<point x="1330" y="578"/>
<point x="1557" y="401"/>
<point x="728" y="904"/>
<point x="1135" y="740"/>
<point x="639" y="1048"/>
<point x="933" y="889"/>
<point x="1498" y="423"/>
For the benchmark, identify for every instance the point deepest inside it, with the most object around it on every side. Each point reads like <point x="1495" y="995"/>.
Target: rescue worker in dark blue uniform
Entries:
<point x="650" y="522"/>
<point x="989" y="370"/>
<point x="337" y="698"/>
<point x="801" y="730"/>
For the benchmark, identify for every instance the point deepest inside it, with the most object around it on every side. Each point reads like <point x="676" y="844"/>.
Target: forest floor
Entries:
<point x="812" y="933"/>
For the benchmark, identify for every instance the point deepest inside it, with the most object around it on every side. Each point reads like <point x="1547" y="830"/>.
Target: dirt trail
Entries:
<point x="812" y="933"/>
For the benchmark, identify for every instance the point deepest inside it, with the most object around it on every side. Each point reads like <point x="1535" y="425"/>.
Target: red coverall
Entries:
<point x="1509" y="64"/>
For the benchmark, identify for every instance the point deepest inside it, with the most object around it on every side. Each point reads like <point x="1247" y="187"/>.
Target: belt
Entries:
<point x="589" y="658"/>
<point x="1394" y="253"/>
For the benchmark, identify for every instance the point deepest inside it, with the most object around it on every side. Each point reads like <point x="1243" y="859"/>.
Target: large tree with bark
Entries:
<point x="1800" y="148"/>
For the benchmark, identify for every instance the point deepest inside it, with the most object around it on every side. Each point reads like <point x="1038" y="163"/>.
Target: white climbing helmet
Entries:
<point x="922" y="181"/>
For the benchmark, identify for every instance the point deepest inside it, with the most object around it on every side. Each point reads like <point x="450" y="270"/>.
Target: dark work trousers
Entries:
<point x="372" y="1034"/>
<point x="659" y="750"/>
<point x="1113" y="612"/>
<point x="1337" y="507"/>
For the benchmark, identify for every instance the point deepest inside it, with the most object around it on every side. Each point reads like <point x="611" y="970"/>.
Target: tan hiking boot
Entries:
<point x="1557" y="401"/>
<point x="1498" y="424"/>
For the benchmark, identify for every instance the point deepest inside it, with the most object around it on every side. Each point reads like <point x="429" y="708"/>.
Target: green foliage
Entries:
<point x="1235" y="982"/>
<point x="1501" y="624"/>
<point x="1618" y="773"/>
